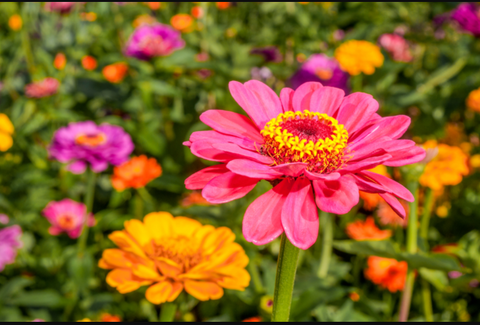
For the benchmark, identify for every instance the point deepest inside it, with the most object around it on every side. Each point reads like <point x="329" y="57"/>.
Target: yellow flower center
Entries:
<point x="180" y="249"/>
<point x="66" y="222"/>
<point x="91" y="140"/>
<point x="313" y="138"/>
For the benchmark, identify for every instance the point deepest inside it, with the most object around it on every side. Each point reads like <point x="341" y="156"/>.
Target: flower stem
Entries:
<point x="138" y="207"/>
<point x="82" y="242"/>
<point x="427" y="211"/>
<point x="257" y="281"/>
<point x="285" y="278"/>
<point x="427" y="301"/>
<point x="167" y="312"/>
<point x="411" y="248"/>
<point x="326" y="220"/>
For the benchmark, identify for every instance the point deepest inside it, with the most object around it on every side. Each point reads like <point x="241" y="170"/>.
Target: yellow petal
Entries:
<point x="185" y="226"/>
<point x="159" y="293"/>
<point x="146" y="272"/>
<point x="203" y="290"/>
<point x="116" y="258"/>
<point x="5" y="125"/>
<point x="125" y="242"/>
<point x="235" y="278"/>
<point x="217" y="239"/>
<point x="138" y="231"/>
<point x="159" y="224"/>
<point x="6" y="142"/>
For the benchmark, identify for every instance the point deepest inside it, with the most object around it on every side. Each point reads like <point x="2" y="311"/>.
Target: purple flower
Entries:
<point x="321" y="68"/>
<point x="269" y="53"/>
<point x="9" y="243"/>
<point x="148" y="41"/>
<point x="82" y="143"/>
<point x="467" y="17"/>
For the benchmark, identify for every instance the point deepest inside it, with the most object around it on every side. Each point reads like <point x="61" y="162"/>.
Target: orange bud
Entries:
<point x="15" y="22"/>
<point x="60" y="61"/>
<point x="154" y="5"/>
<point x="115" y="72"/>
<point x="182" y="22"/>
<point x="222" y="5"/>
<point x="89" y="62"/>
<point x="197" y="12"/>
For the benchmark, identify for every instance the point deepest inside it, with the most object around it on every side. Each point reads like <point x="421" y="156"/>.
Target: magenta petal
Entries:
<point x="286" y="97"/>
<point x="394" y="204"/>
<point x="252" y="169"/>
<point x="390" y="185"/>
<point x="326" y="100"/>
<point x="267" y="99"/>
<point x="356" y="110"/>
<point x="262" y="222"/>
<point x="338" y="196"/>
<point x="303" y="94"/>
<point x="248" y="101"/>
<point x="77" y="167"/>
<point x="393" y="127"/>
<point x="228" y="187"/>
<point x="217" y="137"/>
<point x="198" y="180"/>
<point x="233" y="149"/>
<point x="368" y="163"/>
<point x="291" y="169"/>
<point x="366" y="185"/>
<point x="322" y="177"/>
<point x="406" y="157"/>
<point x="299" y="215"/>
<point x="231" y="123"/>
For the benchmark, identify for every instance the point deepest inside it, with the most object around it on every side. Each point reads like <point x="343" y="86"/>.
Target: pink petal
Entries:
<point x="303" y="94"/>
<point x="406" y="157"/>
<point x="393" y="127"/>
<point x="248" y="101"/>
<point x="299" y="215"/>
<point x="228" y="187"/>
<point x="322" y="177"/>
<point x="366" y="185"/>
<point x="198" y="180"/>
<point x="231" y="123"/>
<point x="291" y="169"/>
<point x="394" y="204"/>
<point x="367" y="163"/>
<point x="267" y="99"/>
<point x="286" y="97"/>
<point x="252" y="169"/>
<point x="224" y="152"/>
<point x="390" y="185"/>
<point x="217" y="137"/>
<point x="262" y="221"/>
<point x="326" y="100"/>
<point x="338" y="196"/>
<point x="55" y="231"/>
<point x="77" y="167"/>
<point x="242" y="153"/>
<point x="359" y="150"/>
<point x="356" y="110"/>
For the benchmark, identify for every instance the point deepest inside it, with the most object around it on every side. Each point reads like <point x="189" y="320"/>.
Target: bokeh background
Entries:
<point x="158" y="102"/>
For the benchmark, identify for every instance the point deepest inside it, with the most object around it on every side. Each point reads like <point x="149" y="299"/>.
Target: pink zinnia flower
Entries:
<point x="62" y="7"/>
<point x="313" y="145"/>
<point x="396" y="46"/>
<point x="43" y="88"/>
<point x="9" y="243"/>
<point x="67" y="216"/>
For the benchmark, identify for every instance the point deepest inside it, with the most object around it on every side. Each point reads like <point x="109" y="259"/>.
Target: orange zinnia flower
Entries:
<point x="447" y="168"/>
<point x="153" y="5"/>
<point x="171" y="254"/>
<point x="15" y="22"/>
<point x="473" y="100"/>
<point x="366" y="230"/>
<point x="136" y="173"/>
<point x="89" y="62"/>
<point x="109" y="318"/>
<point x="253" y="319"/>
<point x="60" y="61"/>
<point x="356" y="57"/>
<point x="194" y="198"/>
<point x="115" y="72"/>
<point x="387" y="272"/>
<point x="143" y="20"/>
<point x="197" y="12"/>
<point x="182" y="22"/>
<point x="222" y="5"/>
<point x="388" y="216"/>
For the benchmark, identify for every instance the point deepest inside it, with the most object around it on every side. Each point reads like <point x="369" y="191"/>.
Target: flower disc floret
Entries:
<point x="313" y="138"/>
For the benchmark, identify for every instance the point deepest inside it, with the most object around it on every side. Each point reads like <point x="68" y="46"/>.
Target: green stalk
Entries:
<point x="82" y="242"/>
<point x="411" y="248"/>
<point x="427" y="301"/>
<point x="257" y="281"/>
<point x="326" y="220"/>
<point x="285" y="278"/>
<point x="357" y="82"/>
<point x="167" y="312"/>
<point x="427" y="211"/>
<point x="138" y="207"/>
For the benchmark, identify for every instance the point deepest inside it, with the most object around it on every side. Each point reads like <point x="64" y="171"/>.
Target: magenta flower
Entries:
<point x="82" y="143"/>
<point x="43" y="88"/>
<point x="396" y="46"/>
<point x="148" y="41"/>
<point x="67" y="216"/>
<point x="313" y="145"/>
<point x="321" y="68"/>
<point x="9" y="243"/>
<point x="467" y="16"/>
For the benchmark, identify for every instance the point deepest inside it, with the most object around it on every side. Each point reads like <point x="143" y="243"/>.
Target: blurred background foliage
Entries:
<point x="158" y="104"/>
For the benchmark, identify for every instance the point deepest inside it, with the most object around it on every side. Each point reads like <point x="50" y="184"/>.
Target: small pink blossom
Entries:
<point x="397" y="46"/>
<point x="62" y="7"/>
<point x="43" y="88"/>
<point x="67" y="216"/>
<point x="4" y="219"/>
<point x="9" y="243"/>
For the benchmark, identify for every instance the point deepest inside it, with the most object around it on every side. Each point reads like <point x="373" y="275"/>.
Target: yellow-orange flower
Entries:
<point x="447" y="168"/>
<point x="182" y="22"/>
<point x="355" y="57"/>
<point x="473" y="100"/>
<point x="366" y="230"/>
<point x="136" y="173"/>
<point x="171" y="254"/>
<point x="371" y="200"/>
<point x="15" y="22"/>
<point x="144" y="20"/>
<point x="387" y="272"/>
<point x="115" y="72"/>
<point x="60" y="61"/>
<point x="6" y="131"/>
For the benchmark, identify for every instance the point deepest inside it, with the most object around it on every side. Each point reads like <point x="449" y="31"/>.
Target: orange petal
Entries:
<point x="159" y="224"/>
<point x="203" y="232"/>
<point x="220" y="237"/>
<point x="116" y="258"/>
<point x="203" y="290"/>
<point x="146" y="272"/>
<point x="177" y="288"/>
<point x="235" y="278"/>
<point x="159" y="293"/>
<point x="104" y="265"/>
<point x="124" y="280"/>
<point x="118" y="183"/>
<point x="125" y="242"/>
<point x="168" y="267"/>
<point x="138" y="231"/>
<point x="185" y="226"/>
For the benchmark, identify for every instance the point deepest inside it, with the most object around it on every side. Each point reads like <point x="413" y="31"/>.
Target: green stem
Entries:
<point x="82" y="242"/>
<point x="138" y="207"/>
<point x="142" y="191"/>
<point x="326" y="220"/>
<point x="427" y="301"/>
<point x="286" y="269"/>
<point x="257" y="281"/>
<point x="357" y="82"/>
<point x="27" y="51"/>
<point x="167" y="312"/>
<point x="427" y="211"/>
<point x="411" y="248"/>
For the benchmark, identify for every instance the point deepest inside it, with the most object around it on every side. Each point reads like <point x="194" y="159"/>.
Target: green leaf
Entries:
<point x="430" y="261"/>
<point x="40" y="298"/>
<point x="14" y="286"/>
<point x="382" y="248"/>
<point x="436" y="277"/>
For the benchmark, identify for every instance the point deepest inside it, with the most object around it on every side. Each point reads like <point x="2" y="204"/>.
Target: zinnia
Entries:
<point x="466" y="15"/>
<point x="473" y="100"/>
<point x="182" y="22"/>
<point x="171" y="254"/>
<point x="355" y="57"/>
<point x="321" y="68"/>
<point x="396" y="46"/>
<point x="310" y="139"/>
<point x="387" y="272"/>
<point x="43" y="88"/>
<point x="15" y="22"/>
<point x="136" y="173"/>
<point x="269" y="53"/>
<point x="6" y="131"/>
<point x="366" y="230"/>
<point x="67" y="216"/>
<point x="60" y="61"/>
<point x="447" y="168"/>
<point x="148" y="41"/>
<point x="371" y="200"/>
<point x="62" y="7"/>
<point x="82" y="143"/>
<point x="115" y="72"/>
<point x="89" y="62"/>
<point x="9" y="244"/>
